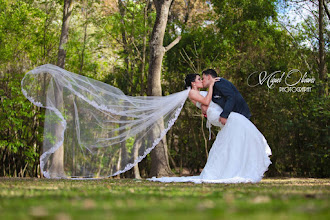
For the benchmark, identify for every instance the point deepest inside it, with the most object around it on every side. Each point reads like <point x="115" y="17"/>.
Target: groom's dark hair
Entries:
<point x="210" y="72"/>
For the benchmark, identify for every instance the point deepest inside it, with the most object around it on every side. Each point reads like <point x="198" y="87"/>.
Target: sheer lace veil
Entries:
<point x="92" y="129"/>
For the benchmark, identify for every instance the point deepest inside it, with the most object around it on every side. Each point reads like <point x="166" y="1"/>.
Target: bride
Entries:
<point x="240" y="153"/>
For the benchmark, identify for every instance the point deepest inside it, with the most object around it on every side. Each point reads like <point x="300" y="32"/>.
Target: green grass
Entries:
<point x="140" y="199"/>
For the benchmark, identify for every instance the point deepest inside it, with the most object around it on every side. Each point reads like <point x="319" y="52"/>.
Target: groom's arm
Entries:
<point x="229" y="94"/>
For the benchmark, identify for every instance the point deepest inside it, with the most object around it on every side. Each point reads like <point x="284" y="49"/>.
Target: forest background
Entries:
<point x="110" y="41"/>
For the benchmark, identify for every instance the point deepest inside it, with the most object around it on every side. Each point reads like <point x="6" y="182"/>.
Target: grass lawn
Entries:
<point x="27" y="198"/>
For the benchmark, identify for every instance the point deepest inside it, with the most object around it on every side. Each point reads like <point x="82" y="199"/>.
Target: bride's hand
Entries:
<point x="214" y="80"/>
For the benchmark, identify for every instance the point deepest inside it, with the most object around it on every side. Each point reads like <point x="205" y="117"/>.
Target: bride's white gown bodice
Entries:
<point x="239" y="154"/>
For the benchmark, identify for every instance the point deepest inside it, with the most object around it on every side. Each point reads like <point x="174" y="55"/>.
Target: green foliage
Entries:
<point x="236" y="38"/>
<point x="128" y="32"/>
<point x="21" y="133"/>
<point x="27" y="38"/>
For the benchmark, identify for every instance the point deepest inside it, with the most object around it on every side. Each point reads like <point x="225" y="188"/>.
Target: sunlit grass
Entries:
<point x="141" y="199"/>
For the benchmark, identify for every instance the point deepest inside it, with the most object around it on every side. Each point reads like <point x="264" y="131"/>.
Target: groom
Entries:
<point x="226" y="96"/>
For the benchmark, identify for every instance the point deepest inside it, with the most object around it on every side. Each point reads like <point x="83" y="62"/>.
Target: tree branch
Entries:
<point x="189" y="62"/>
<point x="326" y="9"/>
<point x="309" y="25"/>
<point x="297" y="45"/>
<point x="176" y="41"/>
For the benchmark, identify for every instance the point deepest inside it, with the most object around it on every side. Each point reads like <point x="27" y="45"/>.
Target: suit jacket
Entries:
<point x="228" y="97"/>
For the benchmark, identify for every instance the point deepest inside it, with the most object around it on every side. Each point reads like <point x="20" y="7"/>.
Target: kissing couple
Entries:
<point x="240" y="153"/>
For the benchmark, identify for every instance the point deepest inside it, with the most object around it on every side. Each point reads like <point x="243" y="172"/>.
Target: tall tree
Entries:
<point x="322" y="66"/>
<point x="159" y="156"/>
<point x="122" y="10"/>
<point x="58" y="165"/>
<point x="315" y="29"/>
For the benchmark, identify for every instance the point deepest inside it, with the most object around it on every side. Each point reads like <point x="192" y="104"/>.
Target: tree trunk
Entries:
<point x="144" y="49"/>
<point x="67" y="10"/>
<point x="85" y="12"/>
<point x="322" y="70"/>
<point x="159" y="158"/>
<point x="57" y="169"/>
<point x="122" y="12"/>
<point x="136" y="147"/>
<point x="326" y="9"/>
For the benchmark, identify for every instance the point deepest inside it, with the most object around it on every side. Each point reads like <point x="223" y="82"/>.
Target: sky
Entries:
<point x="296" y="13"/>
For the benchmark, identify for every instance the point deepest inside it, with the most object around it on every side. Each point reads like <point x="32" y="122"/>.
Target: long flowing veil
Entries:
<point x="93" y="129"/>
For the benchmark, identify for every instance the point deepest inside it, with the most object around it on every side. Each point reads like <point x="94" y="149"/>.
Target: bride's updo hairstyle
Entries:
<point x="189" y="79"/>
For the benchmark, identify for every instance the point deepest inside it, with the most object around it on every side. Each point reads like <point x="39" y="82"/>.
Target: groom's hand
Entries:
<point x="222" y="120"/>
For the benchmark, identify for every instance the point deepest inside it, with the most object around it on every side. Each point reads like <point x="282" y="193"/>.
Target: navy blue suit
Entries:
<point x="228" y="97"/>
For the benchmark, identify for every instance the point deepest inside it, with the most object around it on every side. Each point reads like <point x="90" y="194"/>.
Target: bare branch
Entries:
<point x="326" y="9"/>
<point x="308" y="24"/>
<point x="138" y="51"/>
<point x="297" y="45"/>
<point x="188" y="61"/>
<point x="195" y="50"/>
<point x="215" y="57"/>
<point x="176" y="41"/>
<point x="313" y="12"/>
<point x="204" y="137"/>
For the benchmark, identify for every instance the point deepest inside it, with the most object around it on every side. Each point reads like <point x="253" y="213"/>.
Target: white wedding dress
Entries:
<point x="240" y="153"/>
